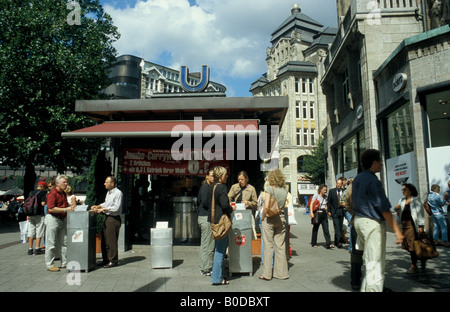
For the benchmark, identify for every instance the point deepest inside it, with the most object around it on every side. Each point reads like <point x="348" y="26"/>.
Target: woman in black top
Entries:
<point x="221" y="206"/>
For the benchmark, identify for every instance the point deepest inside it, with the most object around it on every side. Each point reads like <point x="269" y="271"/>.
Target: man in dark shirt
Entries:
<point x="336" y="208"/>
<point x="372" y="211"/>
<point x="207" y="243"/>
<point x="37" y="225"/>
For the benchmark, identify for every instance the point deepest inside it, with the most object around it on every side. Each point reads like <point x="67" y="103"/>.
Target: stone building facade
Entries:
<point x="386" y="84"/>
<point x="295" y="65"/>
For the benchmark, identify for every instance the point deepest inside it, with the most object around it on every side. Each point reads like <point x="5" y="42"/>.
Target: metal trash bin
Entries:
<point x="185" y="220"/>
<point x="161" y="248"/>
<point x="81" y="230"/>
<point x="240" y="243"/>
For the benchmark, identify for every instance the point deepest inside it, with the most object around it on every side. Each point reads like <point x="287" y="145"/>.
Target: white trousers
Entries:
<point x="372" y="239"/>
<point x="55" y="240"/>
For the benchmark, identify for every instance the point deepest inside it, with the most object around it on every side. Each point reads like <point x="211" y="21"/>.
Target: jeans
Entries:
<point x="348" y="216"/>
<point x="218" y="267"/>
<point x="207" y="245"/>
<point x="440" y="226"/>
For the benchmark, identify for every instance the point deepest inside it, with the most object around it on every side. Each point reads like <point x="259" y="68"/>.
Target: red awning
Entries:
<point x="165" y="128"/>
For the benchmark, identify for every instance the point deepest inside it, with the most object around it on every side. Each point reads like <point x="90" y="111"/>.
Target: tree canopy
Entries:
<point x="52" y="53"/>
<point x="314" y="164"/>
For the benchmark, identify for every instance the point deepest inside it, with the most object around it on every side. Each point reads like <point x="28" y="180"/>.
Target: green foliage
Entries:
<point x="314" y="164"/>
<point x="45" y="66"/>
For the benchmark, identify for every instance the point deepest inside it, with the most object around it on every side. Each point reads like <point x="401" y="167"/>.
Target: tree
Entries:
<point x="52" y="53"/>
<point x="314" y="164"/>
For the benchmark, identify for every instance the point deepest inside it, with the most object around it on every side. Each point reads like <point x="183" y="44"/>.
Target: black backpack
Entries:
<point x="31" y="205"/>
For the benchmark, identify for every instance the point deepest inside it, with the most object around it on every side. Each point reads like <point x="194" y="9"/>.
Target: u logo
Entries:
<point x="194" y="88"/>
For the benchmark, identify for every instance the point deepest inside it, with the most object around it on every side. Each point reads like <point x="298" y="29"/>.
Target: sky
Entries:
<point x="230" y="36"/>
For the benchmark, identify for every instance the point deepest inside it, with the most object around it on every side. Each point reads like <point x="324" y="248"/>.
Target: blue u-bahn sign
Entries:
<point x="204" y="79"/>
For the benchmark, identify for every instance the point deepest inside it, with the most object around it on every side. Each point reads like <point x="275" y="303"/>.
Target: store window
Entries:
<point x="438" y="110"/>
<point x="400" y="132"/>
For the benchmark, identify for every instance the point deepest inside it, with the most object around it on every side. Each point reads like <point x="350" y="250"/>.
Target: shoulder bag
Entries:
<point x="274" y="208"/>
<point x="220" y="229"/>
<point x="425" y="248"/>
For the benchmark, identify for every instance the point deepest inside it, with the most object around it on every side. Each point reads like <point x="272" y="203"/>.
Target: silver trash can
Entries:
<point x="185" y="220"/>
<point x="81" y="230"/>
<point x="240" y="243"/>
<point x="161" y="248"/>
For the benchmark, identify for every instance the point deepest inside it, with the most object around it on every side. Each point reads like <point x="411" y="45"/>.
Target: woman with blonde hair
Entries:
<point x="221" y="206"/>
<point x="274" y="229"/>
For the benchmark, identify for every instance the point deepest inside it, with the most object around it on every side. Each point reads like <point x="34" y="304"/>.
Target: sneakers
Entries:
<point x="205" y="273"/>
<point x="36" y="251"/>
<point x="53" y="268"/>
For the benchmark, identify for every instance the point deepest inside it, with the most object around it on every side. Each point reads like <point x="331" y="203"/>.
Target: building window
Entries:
<point x="297" y="85"/>
<point x="297" y="110"/>
<point x="438" y="117"/>
<point x="311" y="110"/>
<point x="305" y="137"/>
<point x="305" y="110"/>
<point x="285" y="163"/>
<point x="400" y="133"/>
<point x="304" y="85"/>
<point x="311" y="86"/>
<point x="345" y="88"/>
<point x="299" y="136"/>
<point x="313" y="137"/>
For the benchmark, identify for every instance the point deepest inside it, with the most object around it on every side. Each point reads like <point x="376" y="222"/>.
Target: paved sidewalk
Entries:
<point x="310" y="270"/>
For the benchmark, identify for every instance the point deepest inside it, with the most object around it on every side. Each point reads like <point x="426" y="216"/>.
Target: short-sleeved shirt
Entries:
<point x="369" y="198"/>
<point x="57" y="199"/>
<point x="280" y="194"/>
<point x="323" y="201"/>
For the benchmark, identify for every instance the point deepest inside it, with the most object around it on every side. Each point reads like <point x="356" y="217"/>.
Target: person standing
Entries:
<point x="112" y="208"/>
<point x="437" y="214"/>
<point x="412" y="219"/>
<point x="274" y="229"/>
<point x="56" y="223"/>
<point x="336" y="209"/>
<point x="320" y="217"/>
<point x="222" y="206"/>
<point x="372" y="212"/>
<point x="36" y="228"/>
<point x="242" y="192"/>
<point x="207" y="243"/>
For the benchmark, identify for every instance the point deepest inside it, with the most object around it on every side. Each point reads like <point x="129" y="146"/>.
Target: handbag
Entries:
<point x="274" y="208"/>
<point x="425" y="248"/>
<point x="316" y="219"/>
<point x="220" y="229"/>
<point x="316" y="205"/>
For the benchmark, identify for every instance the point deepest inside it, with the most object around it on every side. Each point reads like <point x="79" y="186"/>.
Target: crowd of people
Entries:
<point x="47" y="226"/>
<point x="365" y="206"/>
<point x="361" y="202"/>
<point x="273" y="229"/>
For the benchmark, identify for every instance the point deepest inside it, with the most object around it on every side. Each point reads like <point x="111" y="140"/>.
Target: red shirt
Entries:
<point x="57" y="199"/>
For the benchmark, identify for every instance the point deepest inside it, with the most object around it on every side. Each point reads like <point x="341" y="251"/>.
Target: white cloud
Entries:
<point x="230" y="36"/>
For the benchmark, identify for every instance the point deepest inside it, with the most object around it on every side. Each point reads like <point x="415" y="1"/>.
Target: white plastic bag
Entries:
<point x="23" y="225"/>
<point x="291" y="215"/>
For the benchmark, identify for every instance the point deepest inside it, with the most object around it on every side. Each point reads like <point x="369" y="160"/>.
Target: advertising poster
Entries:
<point x="400" y="169"/>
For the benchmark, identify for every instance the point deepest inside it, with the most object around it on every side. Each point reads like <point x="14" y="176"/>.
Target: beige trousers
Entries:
<point x="274" y="237"/>
<point x="372" y="239"/>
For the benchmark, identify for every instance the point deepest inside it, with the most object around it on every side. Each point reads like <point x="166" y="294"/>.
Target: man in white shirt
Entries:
<point x="112" y="208"/>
